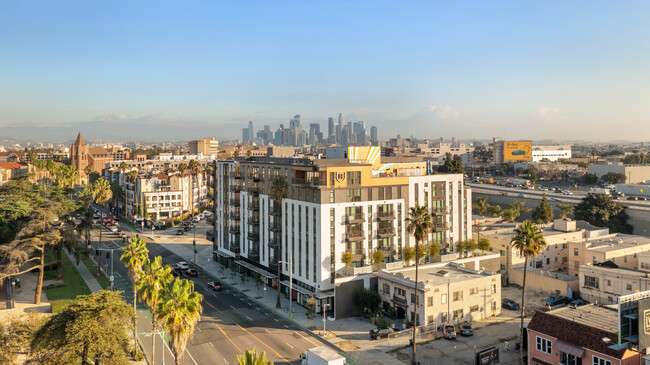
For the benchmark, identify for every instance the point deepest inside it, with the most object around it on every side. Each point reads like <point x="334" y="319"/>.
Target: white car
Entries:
<point x="201" y="216"/>
<point x="195" y="220"/>
<point x="183" y="265"/>
<point x="567" y="192"/>
<point x="207" y="213"/>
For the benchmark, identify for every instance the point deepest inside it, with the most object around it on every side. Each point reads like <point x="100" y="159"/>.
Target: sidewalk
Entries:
<point x="89" y="279"/>
<point x="349" y="334"/>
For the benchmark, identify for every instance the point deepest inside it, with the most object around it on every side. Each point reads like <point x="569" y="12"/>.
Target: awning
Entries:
<point x="540" y="362"/>
<point x="224" y="253"/>
<point x="258" y="270"/>
<point x="569" y="349"/>
<point x="323" y="295"/>
<point x="299" y="289"/>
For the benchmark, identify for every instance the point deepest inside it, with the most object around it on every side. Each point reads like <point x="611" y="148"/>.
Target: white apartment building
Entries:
<point x="355" y="205"/>
<point x="605" y="282"/>
<point x="551" y="153"/>
<point x="621" y="249"/>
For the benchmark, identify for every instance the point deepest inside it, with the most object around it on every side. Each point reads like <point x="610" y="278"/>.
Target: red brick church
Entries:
<point x="82" y="155"/>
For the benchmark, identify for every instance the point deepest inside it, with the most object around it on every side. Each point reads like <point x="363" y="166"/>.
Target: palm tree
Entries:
<point x="530" y="242"/>
<point x="154" y="277"/>
<point x="481" y="206"/>
<point x="101" y="193"/>
<point x="179" y="311"/>
<point x="182" y="167"/>
<point x="88" y="169"/>
<point x="419" y="224"/>
<point x="118" y="195"/>
<point x="133" y="257"/>
<point x="123" y="168"/>
<point x="131" y="177"/>
<point x="566" y="209"/>
<point x="279" y="190"/>
<point x="252" y="357"/>
<point x="346" y="259"/>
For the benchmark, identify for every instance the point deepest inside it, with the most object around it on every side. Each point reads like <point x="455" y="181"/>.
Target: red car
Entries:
<point x="191" y="272"/>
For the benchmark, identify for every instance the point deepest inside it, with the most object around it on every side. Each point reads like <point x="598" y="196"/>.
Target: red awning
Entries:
<point x="569" y="349"/>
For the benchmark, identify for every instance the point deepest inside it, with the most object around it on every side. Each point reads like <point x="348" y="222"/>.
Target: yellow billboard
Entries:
<point x="517" y="150"/>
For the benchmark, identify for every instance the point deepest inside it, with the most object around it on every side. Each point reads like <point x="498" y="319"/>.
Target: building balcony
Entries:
<point x="234" y="215"/>
<point x="235" y="188"/>
<point x="358" y="255"/>
<point x="439" y="211"/>
<point x="234" y="247"/>
<point x="254" y="206"/>
<point x="254" y="235"/>
<point x="310" y="181"/>
<point x="399" y="301"/>
<point x="234" y="230"/>
<point x="235" y="202"/>
<point x="355" y="218"/>
<point x="386" y="232"/>
<point x="274" y="243"/>
<point x="388" y="251"/>
<point x="440" y="226"/>
<point x="275" y="212"/>
<point x="254" y="177"/>
<point x="273" y="265"/>
<point x="236" y="176"/>
<point x="254" y="255"/>
<point x="275" y="227"/>
<point x="385" y="216"/>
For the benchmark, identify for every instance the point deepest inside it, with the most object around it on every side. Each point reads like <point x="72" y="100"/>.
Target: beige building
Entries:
<point x="621" y="249"/>
<point x="604" y="282"/>
<point x="555" y="255"/>
<point x="446" y="293"/>
<point x="206" y="146"/>
<point x="634" y="174"/>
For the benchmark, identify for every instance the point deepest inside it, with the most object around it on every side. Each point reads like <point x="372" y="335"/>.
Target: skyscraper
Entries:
<point x="250" y="131"/>
<point x="373" y="134"/>
<point x="330" y="127"/>
<point x="244" y="135"/>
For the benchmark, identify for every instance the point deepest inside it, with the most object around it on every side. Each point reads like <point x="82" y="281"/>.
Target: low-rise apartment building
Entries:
<point x="621" y="249"/>
<point x="357" y="205"/>
<point x="446" y="293"/>
<point x="163" y="162"/>
<point x="584" y="335"/>
<point x="605" y="282"/>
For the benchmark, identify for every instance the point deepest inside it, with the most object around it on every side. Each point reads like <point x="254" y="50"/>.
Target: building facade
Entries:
<point x="355" y="205"/>
<point x="82" y="155"/>
<point x="205" y="146"/>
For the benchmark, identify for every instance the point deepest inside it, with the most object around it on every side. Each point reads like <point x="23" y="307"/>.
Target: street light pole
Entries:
<point x="326" y="305"/>
<point x="290" y="285"/>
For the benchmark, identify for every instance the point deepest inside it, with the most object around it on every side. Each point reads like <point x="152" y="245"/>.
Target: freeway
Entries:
<point x="230" y="323"/>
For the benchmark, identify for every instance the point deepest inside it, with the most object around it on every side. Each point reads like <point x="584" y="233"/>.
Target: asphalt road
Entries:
<point x="230" y="323"/>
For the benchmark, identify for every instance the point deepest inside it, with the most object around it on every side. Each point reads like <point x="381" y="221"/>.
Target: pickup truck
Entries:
<point x="555" y="301"/>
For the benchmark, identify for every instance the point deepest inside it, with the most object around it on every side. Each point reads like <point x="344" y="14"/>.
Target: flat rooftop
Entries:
<point x="434" y="274"/>
<point x="617" y="241"/>
<point x="602" y="318"/>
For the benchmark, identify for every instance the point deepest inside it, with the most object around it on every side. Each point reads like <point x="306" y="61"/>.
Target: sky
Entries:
<point x="565" y="70"/>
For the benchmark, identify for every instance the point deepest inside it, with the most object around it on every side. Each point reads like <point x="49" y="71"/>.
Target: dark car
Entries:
<point x="577" y="303"/>
<point x="632" y="198"/>
<point x="377" y="333"/>
<point x="176" y="271"/>
<point x="466" y="329"/>
<point x="179" y="232"/>
<point x="509" y="304"/>
<point x="187" y="228"/>
<point x="191" y="272"/>
<point x="215" y="285"/>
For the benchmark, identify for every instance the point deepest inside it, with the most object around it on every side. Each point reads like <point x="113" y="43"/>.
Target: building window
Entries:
<point x="458" y="315"/>
<point x="413" y="298"/>
<point x="566" y="359"/>
<point x="401" y="292"/>
<point x="576" y="252"/>
<point x="331" y="196"/>
<point x="576" y="264"/>
<point x="386" y="289"/>
<point x="609" y="282"/>
<point x="458" y="296"/>
<point x="502" y="252"/>
<point x="494" y="288"/>
<point x="429" y="320"/>
<point x="443" y="298"/>
<point x="591" y="282"/>
<point x="629" y="286"/>
<point x="430" y="302"/>
<point x="473" y="308"/>
<point x="600" y="361"/>
<point x="544" y="345"/>
<point x="473" y="291"/>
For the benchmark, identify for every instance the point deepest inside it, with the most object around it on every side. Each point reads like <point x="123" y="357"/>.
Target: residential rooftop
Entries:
<point x="616" y="241"/>
<point x="602" y="318"/>
<point x="434" y="274"/>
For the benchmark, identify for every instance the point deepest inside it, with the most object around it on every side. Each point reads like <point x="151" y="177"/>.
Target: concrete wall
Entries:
<point x="543" y="283"/>
<point x="345" y="305"/>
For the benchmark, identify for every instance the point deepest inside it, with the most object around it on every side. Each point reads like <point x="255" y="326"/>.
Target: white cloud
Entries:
<point x="549" y="114"/>
<point x="438" y="113"/>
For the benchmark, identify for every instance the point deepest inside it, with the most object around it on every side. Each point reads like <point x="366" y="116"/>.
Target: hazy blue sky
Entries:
<point x="474" y="69"/>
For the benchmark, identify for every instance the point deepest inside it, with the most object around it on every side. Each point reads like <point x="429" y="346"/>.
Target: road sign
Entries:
<point x="111" y="278"/>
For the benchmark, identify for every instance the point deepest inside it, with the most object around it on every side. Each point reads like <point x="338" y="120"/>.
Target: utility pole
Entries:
<point x="326" y="305"/>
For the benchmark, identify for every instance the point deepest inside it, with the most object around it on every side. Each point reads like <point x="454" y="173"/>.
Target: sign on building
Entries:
<point x="517" y="150"/>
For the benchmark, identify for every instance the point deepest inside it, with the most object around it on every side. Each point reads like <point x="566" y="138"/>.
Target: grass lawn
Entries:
<point x="92" y="267"/>
<point x="73" y="285"/>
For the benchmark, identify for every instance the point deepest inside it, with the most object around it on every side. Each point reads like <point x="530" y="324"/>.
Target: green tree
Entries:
<point x="252" y="357"/>
<point x="530" y="242"/>
<point x="93" y="176"/>
<point x="613" y="178"/>
<point x="182" y="168"/>
<point x="518" y="207"/>
<point x="543" y="213"/>
<point x="433" y="250"/>
<point x="465" y="246"/>
<point x="346" y="259"/>
<point x="589" y="179"/>
<point x="91" y="328"/>
<point x="279" y="191"/>
<point x="481" y="206"/>
<point x="154" y="277"/>
<point x="419" y="224"/>
<point x="102" y="193"/>
<point x="117" y="195"/>
<point x="495" y="210"/>
<point x="483" y="244"/>
<point x="123" y="167"/>
<point x="70" y="241"/>
<point x="194" y="168"/>
<point x="134" y="255"/>
<point x="377" y="258"/>
<point x="16" y="334"/>
<point x="566" y="209"/>
<point x="452" y="165"/>
<point x="132" y="177"/>
<point x="602" y="211"/>
<point x="408" y="254"/>
<point x="180" y="310"/>
<point x="367" y="299"/>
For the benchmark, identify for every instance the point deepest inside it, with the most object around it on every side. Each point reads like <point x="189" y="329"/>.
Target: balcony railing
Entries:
<point x="234" y="246"/>
<point x="439" y="211"/>
<point x="235" y="202"/>
<point x="274" y="243"/>
<point x="235" y="188"/>
<point x="386" y="215"/>
<point x="399" y="301"/>
<point x="440" y="226"/>
<point x="354" y="234"/>
<point x="311" y="181"/>
<point x="355" y="218"/>
<point x="386" y="232"/>
<point x="254" y="177"/>
<point x="275" y="212"/>
<point x="236" y="176"/>
<point x="234" y="230"/>
<point x="234" y="215"/>
<point x="254" y="206"/>
<point x="388" y="250"/>
<point x="254" y="255"/>
<point x="254" y="220"/>
<point x="275" y="227"/>
<point x="254" y="235"/>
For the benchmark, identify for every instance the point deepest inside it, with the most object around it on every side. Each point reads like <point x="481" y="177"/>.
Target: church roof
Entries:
<point x="79" y="141"/>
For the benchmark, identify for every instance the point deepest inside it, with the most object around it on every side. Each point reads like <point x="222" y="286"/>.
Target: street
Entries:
<point x="231" y="322"/>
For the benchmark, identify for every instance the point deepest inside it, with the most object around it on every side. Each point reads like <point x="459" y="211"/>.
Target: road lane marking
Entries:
<point x="288" y="344"/>
<point x="263" y="343"/>
<point x="221" y="329"/>
<point x="267" y="330"/>
<point x="285" y="326"/>
<point x="232" y="307"/>
<point x="275" y="319"/>
<point x="306" y="338"/>
<point x="226" y="361"/>
<point x="211" y="344"/>
<point x="249" y="318"/>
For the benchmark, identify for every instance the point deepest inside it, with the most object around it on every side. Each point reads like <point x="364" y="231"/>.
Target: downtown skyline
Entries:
<point x="553" y="71"/>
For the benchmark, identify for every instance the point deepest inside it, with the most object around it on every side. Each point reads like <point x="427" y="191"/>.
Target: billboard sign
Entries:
<point x="517" y="150"/>
<point x="644" y="323"/>
<point x="488" y="356"/>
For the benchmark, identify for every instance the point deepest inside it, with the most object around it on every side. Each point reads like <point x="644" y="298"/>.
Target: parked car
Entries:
<point x="191" y="272"/>
<point x="207" y="213"/>
<point x="113" y="229"/>
<point x="449" y="331"/>
<point x="183" y="265"/>
<point x="555" y="301"/>
<point x="187" y="228"/>
<point x="179" y="232"/>
<point x="577" y="303"/>
<point x="215" y="285"/>
<point x="567" y="192"/>
<point x="195" y="220"/>
<point x="509" y="304"/>
<point x="201" y="216"/>
<point x="466" y="329"/>
<point x="521" y="195"/>
<point x="377" y="333"/>
<point x="632" y="198"/>
<point x="177" y="271"/>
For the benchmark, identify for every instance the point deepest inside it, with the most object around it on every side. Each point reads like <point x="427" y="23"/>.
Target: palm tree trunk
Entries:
<point x="99" y="255"/>
<point x="153" y="339"/>
<point x="59" y="252"/>
<point x="415" y="310"/>
<point x="135" y="322"/>
<point x="523" y="298"/>
<point x="39" y="283"/>
<point x="278" y="304"/>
